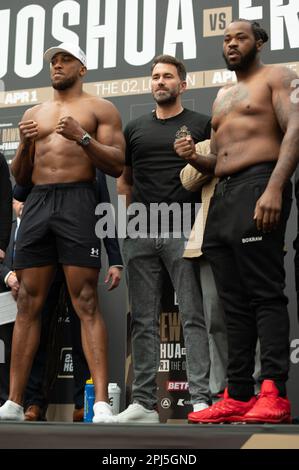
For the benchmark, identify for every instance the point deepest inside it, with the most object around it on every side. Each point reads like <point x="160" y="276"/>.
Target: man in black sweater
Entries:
<point x="5" y="206"/>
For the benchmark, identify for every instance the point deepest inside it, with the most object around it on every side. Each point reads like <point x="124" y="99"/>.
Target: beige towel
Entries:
<point x="193" y="180"/>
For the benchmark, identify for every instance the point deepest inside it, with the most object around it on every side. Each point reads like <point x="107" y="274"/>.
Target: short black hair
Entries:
<point x="169" y="59"/>
<point x="258" y="31"/>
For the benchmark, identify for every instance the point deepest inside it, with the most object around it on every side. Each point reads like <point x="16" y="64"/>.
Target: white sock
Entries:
<point x="200" y="406"/>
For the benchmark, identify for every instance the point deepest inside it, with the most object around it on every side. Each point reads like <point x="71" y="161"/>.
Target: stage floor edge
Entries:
<point x="46" y="435"/>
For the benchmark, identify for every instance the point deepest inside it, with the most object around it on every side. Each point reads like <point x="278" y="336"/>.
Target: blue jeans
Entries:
<point x="146" y="259"/>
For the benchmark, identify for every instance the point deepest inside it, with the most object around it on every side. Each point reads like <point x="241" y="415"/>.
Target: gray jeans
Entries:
<point x="146" y="260"/>
<point x="216" y="326"/>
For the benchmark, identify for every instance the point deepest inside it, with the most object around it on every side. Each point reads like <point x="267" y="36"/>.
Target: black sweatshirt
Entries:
<point x="5" y="203"/>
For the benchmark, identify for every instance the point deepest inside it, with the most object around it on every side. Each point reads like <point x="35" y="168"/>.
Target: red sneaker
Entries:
<point x="270" y="407"/>
<point x="227" y="410"/>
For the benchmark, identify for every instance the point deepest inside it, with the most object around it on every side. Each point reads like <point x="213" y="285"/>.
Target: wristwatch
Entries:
<point x="85" y="139"/>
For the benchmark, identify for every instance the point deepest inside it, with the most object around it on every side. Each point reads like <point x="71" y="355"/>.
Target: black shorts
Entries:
<point x="58" y="226"/>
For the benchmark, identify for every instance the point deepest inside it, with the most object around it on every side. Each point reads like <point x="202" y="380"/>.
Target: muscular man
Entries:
<point x="62" y="142"/>
<point x="36" y="396"/>
<point x="255" y="148"/>
<point x="152" y="177"/>
<point x="5" y="206"/>
<point x="112" y="279"/>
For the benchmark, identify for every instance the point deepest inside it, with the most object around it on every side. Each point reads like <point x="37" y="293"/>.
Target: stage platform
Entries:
<point x="56" y="435"/>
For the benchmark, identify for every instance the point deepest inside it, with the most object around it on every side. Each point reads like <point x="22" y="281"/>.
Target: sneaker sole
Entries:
<point x="230" y="420"/>
<point x="286" y="420"/>
<point x="137" y="421"/>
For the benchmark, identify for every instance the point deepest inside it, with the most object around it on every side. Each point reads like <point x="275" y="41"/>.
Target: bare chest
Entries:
<point x="49" y="116"/>
<point x="242" y="100"/>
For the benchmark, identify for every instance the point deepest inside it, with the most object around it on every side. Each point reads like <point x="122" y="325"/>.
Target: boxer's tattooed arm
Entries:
<point x="283" y="104"/>
<point x="287" y="114"/>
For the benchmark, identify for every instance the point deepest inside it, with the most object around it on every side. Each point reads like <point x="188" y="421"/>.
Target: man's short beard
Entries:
<point x="168" y="100"/>
<point x="65" y="84"/>
<point x="244" y="63"/>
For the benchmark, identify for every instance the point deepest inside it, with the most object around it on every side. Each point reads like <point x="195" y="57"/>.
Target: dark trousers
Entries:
<point x="249" y="271"/>
<point x="5" y="339"/>
<point x="35" y="393"/>
<point x="80" y="366"/>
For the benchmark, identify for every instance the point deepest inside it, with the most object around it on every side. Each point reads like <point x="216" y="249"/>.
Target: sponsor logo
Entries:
<point x="165" y="403"/>
<point x="177" y="386"/>
<point x="94" y="252"/>
<point x="183" y="402"/>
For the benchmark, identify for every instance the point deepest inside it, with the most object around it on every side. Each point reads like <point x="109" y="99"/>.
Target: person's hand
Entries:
<point x="2" y="255"/>
<point x="14" y="285"/>
<point x="12" y="281"/>
<point x="267" y="210"/>
<point x="70" y="128"/>
<point x="185" y="148"/>
<point x="113" y="276"/>
<point x="28" y="131"/>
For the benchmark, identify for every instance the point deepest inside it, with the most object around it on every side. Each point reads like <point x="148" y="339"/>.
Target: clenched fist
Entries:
<point x="28" y="131"/>
<point x="69" y="128"/>
<point x="185" y="148"/>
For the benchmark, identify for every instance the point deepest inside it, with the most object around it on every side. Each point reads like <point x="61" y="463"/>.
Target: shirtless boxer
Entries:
<point x="62" y="143"/>
<point x="255" y="149"/>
